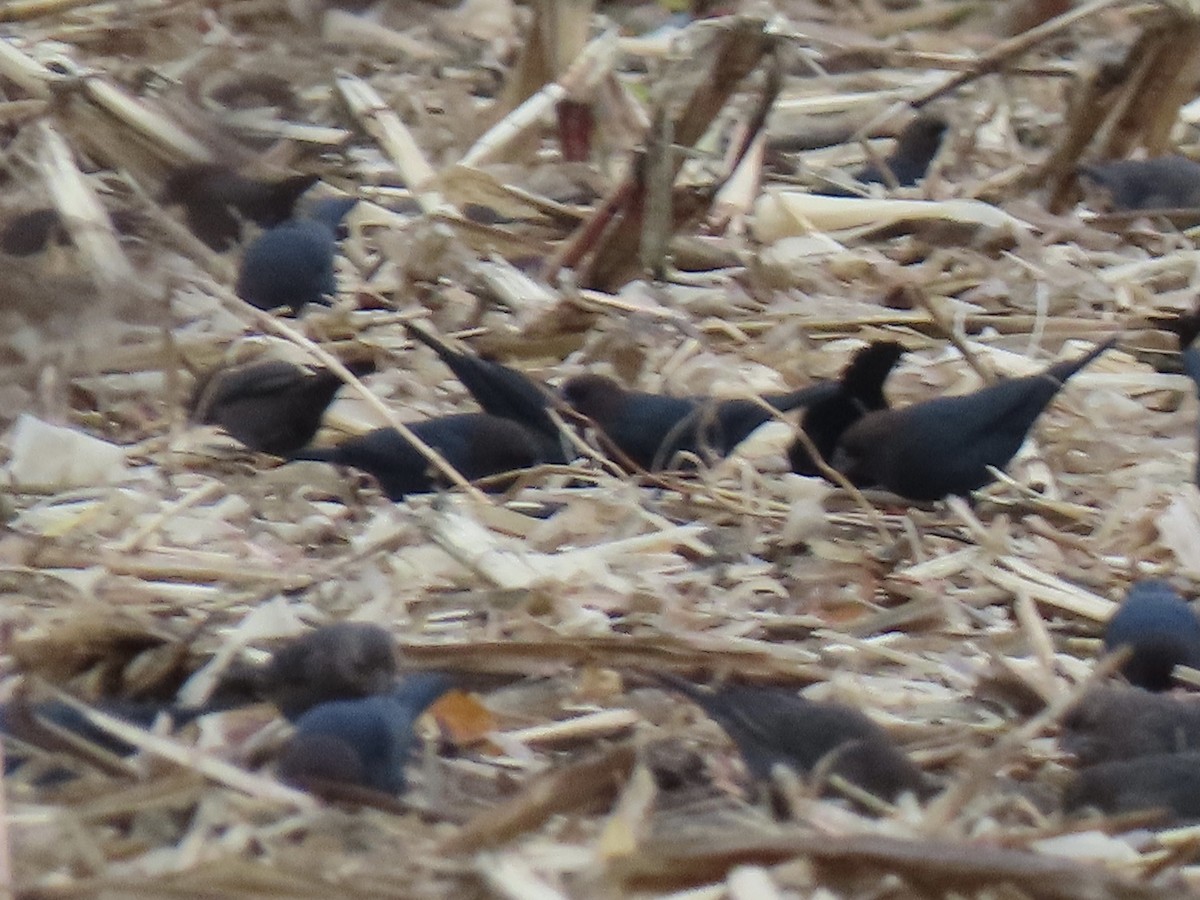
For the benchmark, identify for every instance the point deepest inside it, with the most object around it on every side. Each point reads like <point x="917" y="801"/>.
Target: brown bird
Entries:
<point x="774" y="725"/>
<point x="1117" y="722"/>
<point x="341" y="661"/>
<point x="271" y="406"/>
<point x="216" y="200"/>
<point x="944" y="446"/>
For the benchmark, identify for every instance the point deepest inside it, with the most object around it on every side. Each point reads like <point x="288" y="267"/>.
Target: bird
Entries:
<point x="1116" y="722"/>
<point x="859" y="391"/>
<point x="773" y="725"/>
<point x="365" y="741"/>
<point x="476" y="445"/>
<point x="500" y="390"/>
<point x="1163" y="182"/>
<point x="217" y="199"/>
<point x="916" y="146"/>
<point x="289" y="265"/>
<point x="271" y="406"/>
<point x="339" y="661"/>
<point x="34" y="230"/>
<point x="651" y="429"/>
<point x="1161" y="630"/>
<point x="1163" y="781"/>
<point x="935" y="448"/>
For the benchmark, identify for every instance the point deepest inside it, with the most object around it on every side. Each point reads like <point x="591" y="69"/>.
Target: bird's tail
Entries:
<point x="1060" y="372"/>
<point x="419" y="690"/>
<point x="444" y="351"/>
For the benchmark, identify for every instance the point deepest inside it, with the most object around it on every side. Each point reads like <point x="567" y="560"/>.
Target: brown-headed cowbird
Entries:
<point x="364" y="742"/>
<point x="477" y="445"/>
<point x="341" y="661"/>
<point x="650" y="429"/>
<point x="1166" y="781"/>
<point x="216" y="199"/>
<point x="859" y="391"/>
<point x="775" y="725"/>
<point x="271" y="406"/>
<point x="944" y="446"/>
<point x="500" y="390"/>
<point x="1165" y="182"/>
<point x="1161" y="630"/>
<point x="1116" y="722"/>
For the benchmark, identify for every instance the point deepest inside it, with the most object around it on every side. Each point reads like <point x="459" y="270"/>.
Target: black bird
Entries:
<point x="342" y="661"/>
<point x="916" y="146"/>
<point x="1116" y="722"/>
<point x="363" y="742"/>
<point x="290" y="265"/>
<point x="477" y="445"/>
<point x="1164" y="182"/>
<point x="500" y="390"/>
<point x="859" y="391"/>
<point x="1161" y="630"/>
<point x="1165" y="781"/>
<point x="216" y="200"/>
<point x="774" y="725"/>
<point x="944" y="446"/>
<point x="650" y="429"/>
<point x="271" y="406"/>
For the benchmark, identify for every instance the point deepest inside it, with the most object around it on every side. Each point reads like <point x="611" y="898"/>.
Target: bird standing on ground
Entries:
<point x="651" y="429"/>
<point x="1164" y="182"/>
<point x="501" y="391"/>
<point x="271" y="406"/>
<point x="774" y="725"/>
<point x="476" y="445"/>
<point x="291" y="264"/>
<point x="859" y="391"/>
<point x="363" y="742"/>
<point x="944" y="446"/>
<point x="909" y="161"/>
<point x="216" y="200"/>
<point x="1161" y="630"/>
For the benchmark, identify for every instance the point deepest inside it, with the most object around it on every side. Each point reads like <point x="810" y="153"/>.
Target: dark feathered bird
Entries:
<point x="1166" y="781"/>
<point x="342" y="661"/>
<point x="944" y="446"/>
<point x="1165" y="182"/>
<point x="500" y="390"/>
<point x="1161" y="630"/>
<point x="289" y="265"/>
<point x="364" y="742"/>
<point x="859" y="391"/>
<point x="916" y="146"/>
<point x="477" y="445"/>
<point x="271" y="406"/>
<point x="216" y="200"/>
<point x="1116" y="722"/>
<point x="650" y="429"/>
<point x="775" y="725"/>
<point x="34" y="230"/>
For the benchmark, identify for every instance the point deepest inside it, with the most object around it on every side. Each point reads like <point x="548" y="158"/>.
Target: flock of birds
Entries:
<point x="354" y="720"/>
